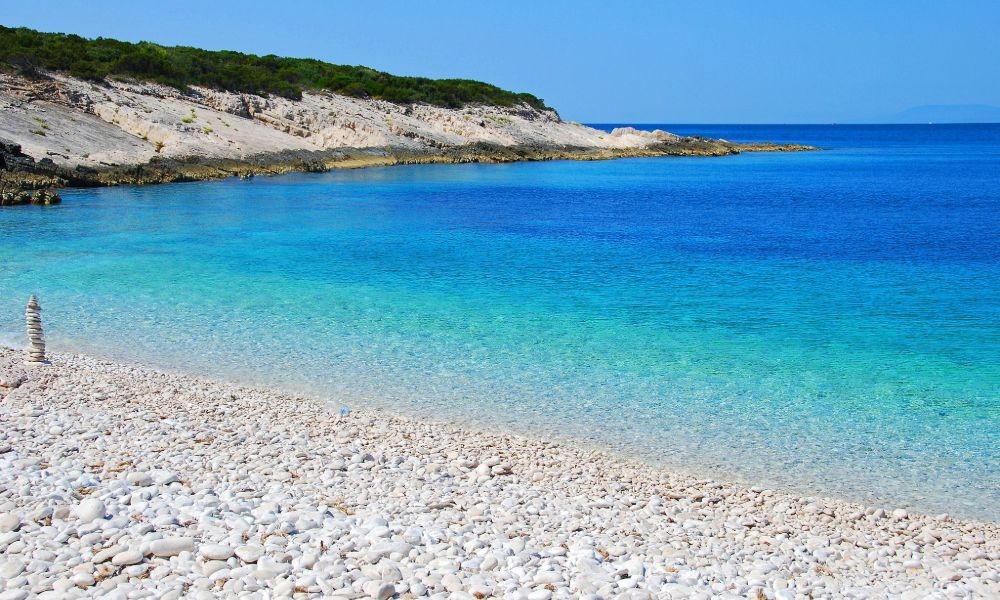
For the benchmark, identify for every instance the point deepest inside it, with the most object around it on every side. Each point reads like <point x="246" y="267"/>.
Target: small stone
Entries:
<point x="215" y="551"/>
<point x="249" y="554"/>
<point x="452" y="583"/>
<point x="545" y="577"/>
<point x="387" y="548"/>
<point x="9" y="522"/>
<point x="11" y="568"/>
<point x="106" y="554"/>
<point x="83" y="580"/>
<point x="489" y="563"/>
<point x="385" y="591"/>
<point x="90" y="509"/>
<point x="167" y="547"/>
<point x="946" y="574"/>
<point x="127" y="557"/>
<point x="165" y="478"/>
<point x="139" y="479"/>
<point x="210" y="567"/>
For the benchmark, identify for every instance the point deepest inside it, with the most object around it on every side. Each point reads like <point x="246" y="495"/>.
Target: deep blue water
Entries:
<point x="823" y="322"/>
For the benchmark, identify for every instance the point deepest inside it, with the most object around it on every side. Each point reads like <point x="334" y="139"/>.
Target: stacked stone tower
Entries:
<point x="36" y="343"/>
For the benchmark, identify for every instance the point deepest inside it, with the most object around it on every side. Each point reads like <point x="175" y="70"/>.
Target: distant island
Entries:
<point x="80" y="112"/>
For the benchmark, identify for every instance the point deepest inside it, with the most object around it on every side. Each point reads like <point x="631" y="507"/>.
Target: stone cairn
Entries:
<point x="36" y="344"/>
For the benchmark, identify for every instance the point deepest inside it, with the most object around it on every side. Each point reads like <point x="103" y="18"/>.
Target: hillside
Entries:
<point x="27" y="51"/>
<point x="99" y="117"/>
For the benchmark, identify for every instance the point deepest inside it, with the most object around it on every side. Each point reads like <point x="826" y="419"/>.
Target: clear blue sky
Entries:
<point x="695" y="61"/>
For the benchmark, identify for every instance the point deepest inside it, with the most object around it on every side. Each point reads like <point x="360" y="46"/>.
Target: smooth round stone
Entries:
<point x="250" y="554"/>
<point x="127" y="557"/>
<point x="452" y="583"/>
<point x="139" y="479"/>
<point x="167" y="547"/>
<point x="11" y="568"/>
<point x="545" y="577"/>
<point x="385" y="591"/>
<point x="215" y="551"/>
<point x="9" y="522"/>
<point x="165" y="478"/>
<point x="212" y="566"/>
<point x="90" y="509"/>
<point x="387" y="548"/>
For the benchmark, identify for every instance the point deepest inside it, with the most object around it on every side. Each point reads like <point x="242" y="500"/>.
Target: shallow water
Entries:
<point x="822" y="322"/>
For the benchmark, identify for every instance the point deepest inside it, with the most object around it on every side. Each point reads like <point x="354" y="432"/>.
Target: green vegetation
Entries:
<point x="28" y="51"/>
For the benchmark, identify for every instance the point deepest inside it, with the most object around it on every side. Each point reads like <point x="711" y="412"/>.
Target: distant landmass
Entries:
<point x="947" y="113"/>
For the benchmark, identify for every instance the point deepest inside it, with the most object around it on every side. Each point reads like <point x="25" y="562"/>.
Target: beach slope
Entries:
<point x="115" y="477"/>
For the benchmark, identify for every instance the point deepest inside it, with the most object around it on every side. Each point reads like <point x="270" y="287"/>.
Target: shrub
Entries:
<point x="181" y="67"/>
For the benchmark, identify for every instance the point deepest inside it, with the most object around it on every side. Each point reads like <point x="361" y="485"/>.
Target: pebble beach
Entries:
<point x="119" y="481"/>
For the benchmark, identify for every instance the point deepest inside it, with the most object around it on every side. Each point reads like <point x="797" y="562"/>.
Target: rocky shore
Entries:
<point x="59" y="131"/>
<point x="128" y="482"/>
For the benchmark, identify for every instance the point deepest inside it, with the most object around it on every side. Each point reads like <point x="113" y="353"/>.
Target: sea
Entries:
<point x="825" y="323"/>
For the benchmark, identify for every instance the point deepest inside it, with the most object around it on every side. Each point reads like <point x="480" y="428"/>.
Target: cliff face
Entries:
<point x="75" y="122"/>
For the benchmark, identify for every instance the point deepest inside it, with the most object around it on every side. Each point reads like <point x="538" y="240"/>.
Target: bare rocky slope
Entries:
<point x="60" y="130"/>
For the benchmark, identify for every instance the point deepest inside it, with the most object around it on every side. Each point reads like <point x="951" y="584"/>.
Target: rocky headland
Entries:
<point x="57" y="130"/>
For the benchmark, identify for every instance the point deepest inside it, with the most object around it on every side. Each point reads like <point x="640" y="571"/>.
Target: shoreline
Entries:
<point x="537" y="432"/>
<point x="60" y="131"/>
<point x="38" y="176"/>
<point x="588" y="522"/>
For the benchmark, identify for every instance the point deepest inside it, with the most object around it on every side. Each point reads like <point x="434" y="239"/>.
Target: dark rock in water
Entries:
<point x="19" y="197"/>
<point x="45" y="198"/>
<point x="14" y="198"/>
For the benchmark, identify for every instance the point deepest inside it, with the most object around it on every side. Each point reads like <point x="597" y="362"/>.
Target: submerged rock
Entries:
<point x="45" y="198"/>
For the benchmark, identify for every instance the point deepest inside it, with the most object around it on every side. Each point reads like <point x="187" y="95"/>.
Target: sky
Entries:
<point x="610" y="61"/>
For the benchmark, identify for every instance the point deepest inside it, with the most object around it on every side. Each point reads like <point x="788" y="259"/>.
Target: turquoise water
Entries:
<point x="825" y="322"/>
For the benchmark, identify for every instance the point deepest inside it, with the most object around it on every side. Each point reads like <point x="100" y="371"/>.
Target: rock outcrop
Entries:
<point x="23" y="181"/>
<point x="76" y="132"/>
